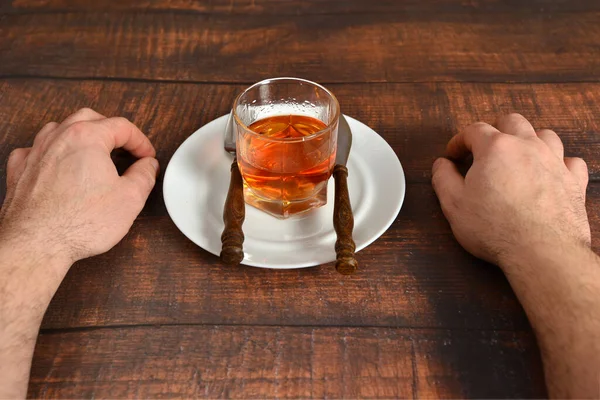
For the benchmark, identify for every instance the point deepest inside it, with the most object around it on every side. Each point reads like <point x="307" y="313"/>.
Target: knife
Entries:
<point x="234" y="211"/>
<point x="343" y="220"/>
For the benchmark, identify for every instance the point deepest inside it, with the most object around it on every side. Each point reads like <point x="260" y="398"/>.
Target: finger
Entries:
<point x="119" y="132"/>
<point x="49" y="127"/>
<point x="15" y="165"/>
<point x="141" y="177"/>
<point x="43" y="134"/>
<point x="552" y="141"/>
<point x="579" y="169"/>
<point x="447" y="183"/>
<point x="470" y="140"/>
<point x="83" y="114"/>
<point x="515" y="124"/>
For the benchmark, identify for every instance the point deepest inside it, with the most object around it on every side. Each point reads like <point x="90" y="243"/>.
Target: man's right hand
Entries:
<point x="519" y="194"/>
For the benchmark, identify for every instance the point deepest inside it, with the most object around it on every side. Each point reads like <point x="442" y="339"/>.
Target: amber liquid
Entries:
<point x="278" y="165"/>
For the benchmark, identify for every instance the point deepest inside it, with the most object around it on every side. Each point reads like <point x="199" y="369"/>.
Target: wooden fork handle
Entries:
<point x="343" y="222"/>
<point x="234" y="213"/>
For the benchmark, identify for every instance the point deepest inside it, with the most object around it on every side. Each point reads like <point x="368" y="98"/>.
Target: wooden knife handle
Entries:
<point x="234" y="212"/>
<point x="343" y="222"/>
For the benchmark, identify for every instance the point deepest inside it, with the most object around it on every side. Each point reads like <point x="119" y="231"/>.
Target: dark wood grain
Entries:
<point x="234" y="213"/>
<point x="417" y="120"/>
<point x="343" y="222"/>
<point x="6" y="6"/>
<point x="415" y="275"/>
<point x="284" y="362"/>
<point x="422" y="318"/>
<point x="305" y="7"/>
<point x="388" y="47"/>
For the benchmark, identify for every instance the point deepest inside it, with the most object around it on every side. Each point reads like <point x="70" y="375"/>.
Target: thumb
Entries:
<point x="447" y="182"/>
<point x="141" y="176"/>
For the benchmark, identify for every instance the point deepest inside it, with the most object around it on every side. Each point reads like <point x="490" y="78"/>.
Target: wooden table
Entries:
<point x="159" y="317"/>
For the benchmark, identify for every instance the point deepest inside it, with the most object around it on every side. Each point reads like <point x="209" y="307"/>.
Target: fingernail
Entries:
<point x="154" y="163"/>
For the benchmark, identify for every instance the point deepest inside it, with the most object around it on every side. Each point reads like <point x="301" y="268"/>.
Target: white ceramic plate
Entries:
<point x="197" y="178"/>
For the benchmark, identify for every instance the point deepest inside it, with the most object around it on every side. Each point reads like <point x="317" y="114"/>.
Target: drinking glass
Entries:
<point x="286" y="144"/>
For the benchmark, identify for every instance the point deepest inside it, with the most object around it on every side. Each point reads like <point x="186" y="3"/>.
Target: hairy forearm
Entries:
<point x="559" y="288"/>
<point x="28" y="280"/>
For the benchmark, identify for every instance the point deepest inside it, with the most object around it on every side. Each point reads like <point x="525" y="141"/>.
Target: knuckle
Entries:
<point x="546" y="132"/>
<point x="78" y="131"/>
<point x="85" y="111"/>
<point x="479" y="125"/>
<point x="121" y="124"/>
<point x="556" y="138"/>
<point x="514" y="117"/>
<point x="83" y="114"/>
<point x="16" y="156"/>
<point x="49" y="126"/>
<point x="500" y="142"/>
<point x="510" y="121"/>
<point x="481" y="128"/>
<point x="121" y="121"/>
<point x="549" y="133"/>
<point x="576" y="163"/>
<point x="580" y="162"/>
<point x="78" y="126"/>
<point x="14" y="153"/>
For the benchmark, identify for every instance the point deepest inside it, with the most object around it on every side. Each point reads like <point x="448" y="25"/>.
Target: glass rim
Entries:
<point x="327" y="128"/>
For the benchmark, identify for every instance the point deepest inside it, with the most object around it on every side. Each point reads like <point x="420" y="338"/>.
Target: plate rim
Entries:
<point x="377" y="235"/>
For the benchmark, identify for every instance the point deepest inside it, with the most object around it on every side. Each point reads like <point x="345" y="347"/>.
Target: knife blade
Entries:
<point x="343" y="219"/>
<point x="234" y="210"/>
